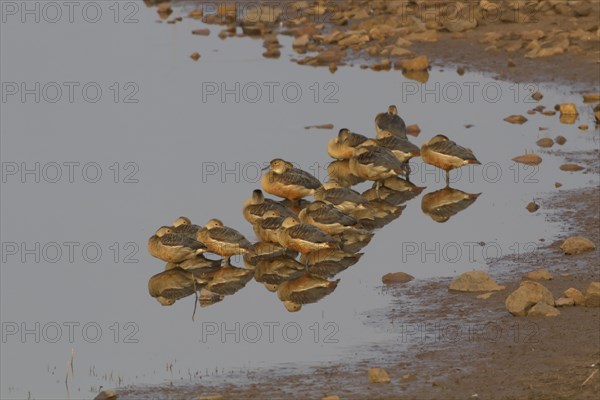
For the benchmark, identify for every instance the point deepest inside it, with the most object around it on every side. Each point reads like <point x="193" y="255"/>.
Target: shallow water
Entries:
<point x="183" y="151"/>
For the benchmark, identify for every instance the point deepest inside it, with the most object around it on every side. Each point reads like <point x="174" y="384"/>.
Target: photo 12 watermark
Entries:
<point x="70" y="252"/>
<point x="270" y="92"/>
<point x="56" y="172"/>
<point x="461" y="252"/>
<point x="269" y="332"/>
<point x="69" y="332"/>
<point x="90" y="92"/>
<point x="70" y="12"/>
<point x="493" y="332"/>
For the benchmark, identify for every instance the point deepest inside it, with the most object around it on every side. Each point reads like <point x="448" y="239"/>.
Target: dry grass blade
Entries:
<point x="590" y="377"/>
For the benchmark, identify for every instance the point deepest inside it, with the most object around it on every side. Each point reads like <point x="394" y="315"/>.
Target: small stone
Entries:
<point x="591" y="97"/>
<point x="419" y="76"/>
<point x="401" y="42"/>
<point x="272" y="52"/>
<point x="460" y="71"/>
<point x="533" y="206"/>
<point x="564" y="302"/>
<point x="332" y="68"/>
<point x="383" y="65"/>
<point x="539" y="274"/>
<point x="583" y="127"/>
<point x="549" y="113"/>
<point x="301" y="41"/>
<point x="511" y="63"/>
<point x="164" y="8"/>
<point x="409" y="377"/>
<point x="545" y="142"/>
<point x="532" y="35"/>
<point x="576" y="295"/>
<point x="106" y="395"/>
<point x="577" y="244"/>
<point x="378" y="375"/>
<point x="395" y="278"/>
<point x="537" y="96"/>
<point x="526" y="296"/>
<point x="543" y="310"/>
<point x="474" y="281"/>
<point x="413" y="130"/>
<point x="195" y="56"/>
<point x="516" y="119"/>
<point x="334" y="397"/>
<point x="485" y="296"/>
<point x="557" y="184"/>
<point x="581" y="8"/>
<point x="419" y="63"/>
<point x="400" y="52"/>
<point x="196" y="14"/>
<point x="560" y="140"/>
<point x="323" y="126"/>
<point x="201" y="32"/>
<point x="568" y="109"/>
<point x="592" y="295"/>
<point x="571" y="167"/>
<point x="528" y="159"/>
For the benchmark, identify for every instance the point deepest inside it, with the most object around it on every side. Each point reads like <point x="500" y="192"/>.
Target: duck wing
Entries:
<point x="450" y="148"/>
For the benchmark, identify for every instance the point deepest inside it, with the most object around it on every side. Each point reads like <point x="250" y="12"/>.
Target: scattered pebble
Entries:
<point x="195" y="56"/>
<point x="533" y="206"/>
<point x="539" y="275"/>
<point x="475" y="281"/>
<point x="537" y="96"/>
<point x="323" y="126"/>
<point x="516" y="119"/>
<point x="201" y="32"/>
<point x="485" y="296"/>
<point x="591" y="97"/>
<point x="583" y="127"/>
<point x="419" y="63"/>
<point x="395" y="278"/>
<point x="557" y="184"/>
<point x="571" y="167"/>
<point x="560" y="140"/>
<point x="592" y="295"/>
<point x="576" y="295"/>
<point x="526" y="296"/>
<point x="543" y="310"/>
<point x="378" y="375"/>
<point x="564" y="302"/>
<point x="528" y="159"/>
<point x="545" y="142"/>
<point x="413" y="130"/>
<point x="577" y="244"/>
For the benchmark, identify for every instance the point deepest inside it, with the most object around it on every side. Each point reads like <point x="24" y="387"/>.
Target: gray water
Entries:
<point x="172" y="147"/>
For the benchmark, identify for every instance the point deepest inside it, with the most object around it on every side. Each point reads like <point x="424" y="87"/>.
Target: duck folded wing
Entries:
<point x="354" y="139"/>
<point x="271" y="223"/>
<point x="228" y="235"/>
<point x="391" y="123"/>
<point x="302" y="178"/>
<point x="452" y="149"/>
<point x="177" y="240"/>
<point x="331" y="216"/>
<point x="309" y="233"/>
<point x="187" y="230"/>
<point x="380" y="157"/>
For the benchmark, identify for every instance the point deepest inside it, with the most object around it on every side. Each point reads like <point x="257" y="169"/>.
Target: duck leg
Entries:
<point x="447" y="178"/>
<point x="377" y="185"/>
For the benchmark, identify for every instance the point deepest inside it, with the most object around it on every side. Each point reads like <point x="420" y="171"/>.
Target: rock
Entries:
<point x="583" y="127"/>
<point x="591" y="97"/>
<point x="545" y="142"/>
<point x="549" y="113"/>
<point x="195" y="56"/>
<point x="537" y="96"/>
<point x="107" y="394"/>
<point x="400" y="52"/>
<point x="419" y="63"/>
<point x="490" y="37"/>
<point x="164" y="8"/>
<point x="474" y="281"/>
<point x="272" y="52"/>
<point x="419" y="76"/>
<point x="409" y="377"/>
<point x="532" y="35"/>
<point x="460" y="25"/>
<point x="395" y="278"/>
<point x="528" y="159"/>
<point x="427" y="36"/>
<point x="576" y="295"/>
<point x="539" y="274"/>
<point x="334" y="397"/>
<point x="560" y="140"/>
<point x="332" y="68"/>
<point x="401" y="42"/>
<point x="592" y="295"/>
<point x="571" y="167"/>
<point x="568" y="109"/>
<point x="577" y="244"/>
<point x="557" y="184"/>
<point x="354" y="40"/>
<point x="581" y="8"/>
<point x="543" y="310"/>
<point x="196" y="14"/>
<point x="526" y="296"/>
<point x="413" y="130"/>
<point x="564" y="302"/>
<point x="460" y="71"/>
<point x="301" y="41"/>
<point x="201" y="32"/>
<point x="378" y="375"/>
<point x="516" y="119"/>
<point x="323" y="126"/>
<point x="211" y="397"/>
<point x="532" y="206"/>
<point x="383" y="65"/>
<point x="485" y="296"/>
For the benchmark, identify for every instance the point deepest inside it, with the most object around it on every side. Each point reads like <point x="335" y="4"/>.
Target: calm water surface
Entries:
<point x="181" y="150"/>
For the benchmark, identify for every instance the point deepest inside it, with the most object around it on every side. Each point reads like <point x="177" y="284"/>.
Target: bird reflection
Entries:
<point x="174" y="284"/>
<point x="304" y="290"/>
<point x="445" y="203"/>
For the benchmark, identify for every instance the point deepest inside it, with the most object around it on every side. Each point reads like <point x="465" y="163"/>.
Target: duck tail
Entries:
<point x="474" y="161"/>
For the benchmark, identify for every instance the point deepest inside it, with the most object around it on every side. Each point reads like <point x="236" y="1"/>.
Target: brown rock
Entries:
<point x="560" y="140"/>
<point x="591" y="97"/>
<point x="526" y="296"/>
<point x="543" y="310"/>
<point x="576" y="295"/>
<point x="485" y="296"/>
<point x="334" y="397"/>
<point x="549" y="113"/>
<point x="545" y="142"/>
<point x="537" y="96"/>
<point x="272" y="52"/>
<point x="401" y="42"/>
<point x="539" y="274"/>
<point x="195" y="56"/>
<point x="383" y="65"/>
<point x="583" y="127"/>
<point x="354" y="39"/>
<point x="301" y="41"/>
<point x="413" y="130"/>
<point x="378" y="375"/>
<point x="323" y="126"/>
<point x="568" y="109"/>
<point x="592" y="295"/>
<point x="532" y="35"/>
<point x="332" y="68"/>
<point x="427" y="36"/>
<point x="196" y="14"/>
<point x="460" y="71"/>
<point x="400" y="52"/>
<point x="564" y="302"/>
<point x="577" y="244"/>
<point x="211" y="397"/>
<point x="528" y="159"/>
<point x="516" y="119"/>
<point x="460" y="25"/>
<point x="557" y="184"/>
<point x="395" y="278"/>
<point x="571" y="167"/>
<point x="581" y="8"/>
<point x="532" y="206"/>
<point x="474" y="281"/>
<point x="201" y="32"/>
<point x="419" y="63"/>
<point x="106" y="395"/>
<point x="419" y="76"/>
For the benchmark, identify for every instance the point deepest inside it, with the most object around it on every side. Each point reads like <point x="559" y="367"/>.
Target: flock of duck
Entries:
<point x="327" y="233"/>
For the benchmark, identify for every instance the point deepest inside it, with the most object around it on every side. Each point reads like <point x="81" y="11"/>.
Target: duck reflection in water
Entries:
<point x="447" y="202"/>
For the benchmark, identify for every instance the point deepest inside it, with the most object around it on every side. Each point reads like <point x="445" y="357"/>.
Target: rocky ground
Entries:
<point x="468" y="347"/>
